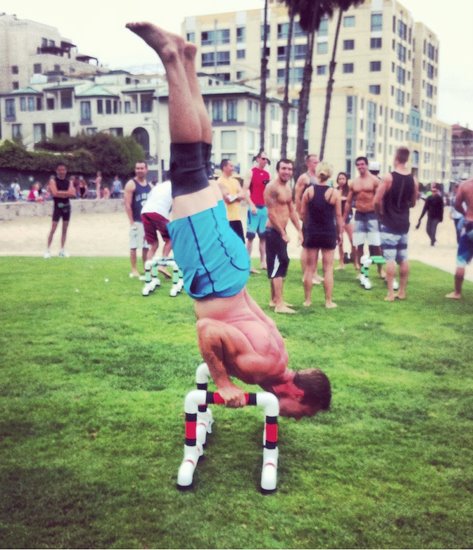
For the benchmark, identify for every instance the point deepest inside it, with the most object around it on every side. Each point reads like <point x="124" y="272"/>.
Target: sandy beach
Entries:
<point x="106" y="234"/>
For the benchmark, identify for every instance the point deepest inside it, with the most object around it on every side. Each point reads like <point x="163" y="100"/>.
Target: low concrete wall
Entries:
<point x="15" y="210"/>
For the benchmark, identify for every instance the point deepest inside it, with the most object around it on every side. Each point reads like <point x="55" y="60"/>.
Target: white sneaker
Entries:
<point x="47" y="255"/>
<point x="155" y="283"/>
<point x="63" y="254"/>
<point x="395" y="285"/>
<point x="367" y="284"/>
<point x="173" y="292"/>
<point x="362" y="279"/>
<point x="147" y="289"/>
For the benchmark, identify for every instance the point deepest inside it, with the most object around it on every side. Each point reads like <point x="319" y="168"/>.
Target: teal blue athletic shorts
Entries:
<point x="212" y="257"/>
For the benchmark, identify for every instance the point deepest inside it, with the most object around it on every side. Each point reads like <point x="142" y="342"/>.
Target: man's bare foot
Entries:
<point x="273" y="304"/>
<point x="341" y="266"/>
<point x="283" y="309"/>
<point x="400" y="296"/>
<point x="453" y="296"/>
<point x="255" y="271"/>
<point x="330" y="305"/>
<point x="389" y="298"/>
<point x="167" y="45"/>
<point x="307" y="303"/>
<point x="317" y="280"/>
<point x="263" y="267"/>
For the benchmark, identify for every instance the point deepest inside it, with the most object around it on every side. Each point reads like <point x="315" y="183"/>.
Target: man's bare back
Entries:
<point x="465" y="196"/>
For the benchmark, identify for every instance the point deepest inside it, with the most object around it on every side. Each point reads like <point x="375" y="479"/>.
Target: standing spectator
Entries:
<point x="464" y="205"/>
<point x="343" y="187"/>
<point x="366" y="228"/>
<point x="322" y="214"/>
<point x="98" y="185"/>
<point x="254" y="187"/>
<point x="34" y="194"/>
<point x="456" y="216"/>
<point x="136" y="193"/>
<point x="62" y="190"/>
<point x="433" y="206"/>
<point x="83" y="188"/>
<point x="232" y="195"/>
<point x="14" y="193"/>
<point x="278" y="199"/>
<point x="396" y="194"/>
<point x="117" y="187"/>
<point x="303" y="182"/>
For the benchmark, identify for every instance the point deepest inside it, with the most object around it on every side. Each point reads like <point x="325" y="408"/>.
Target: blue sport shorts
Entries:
<point x="393" y="245"/>
<point x="212" y="257"/>
<point x="256" y="223"/>
<point x="465" y="245"/>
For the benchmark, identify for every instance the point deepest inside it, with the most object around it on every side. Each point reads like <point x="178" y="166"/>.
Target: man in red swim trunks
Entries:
<point x="235" y="337"/>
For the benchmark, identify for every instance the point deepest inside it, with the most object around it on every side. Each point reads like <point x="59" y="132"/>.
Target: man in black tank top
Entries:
<point x="395" y="196"/>
<point x="62" y="190"/>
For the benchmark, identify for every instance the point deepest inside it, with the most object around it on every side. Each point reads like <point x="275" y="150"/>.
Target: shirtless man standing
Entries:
<point x="303" y="182"/>
<point x="278" y="199"/>
<point x="463" y="197"/>
<point x="235" y="337"/>
<point x="363" y="190"/>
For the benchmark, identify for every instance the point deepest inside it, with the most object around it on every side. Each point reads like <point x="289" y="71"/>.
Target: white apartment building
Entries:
<point x="121" y="104"/>
<point x="386" y="79"/>
<point x="29" y="48"/>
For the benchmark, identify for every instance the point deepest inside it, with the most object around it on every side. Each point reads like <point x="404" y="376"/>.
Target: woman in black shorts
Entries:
<point x="322" y="215"/>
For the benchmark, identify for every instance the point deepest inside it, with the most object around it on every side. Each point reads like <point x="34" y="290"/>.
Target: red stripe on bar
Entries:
<point x="218" y="399"/>
<point x="191" y="430"/>
<point x="272" y="433"/>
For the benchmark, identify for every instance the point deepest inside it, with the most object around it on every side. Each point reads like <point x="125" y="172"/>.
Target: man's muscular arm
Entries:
<point x="299" y="191"/>
<point x="348" y="204"/>
<point x="128" y="197"/>
<point x="246" y="191"/>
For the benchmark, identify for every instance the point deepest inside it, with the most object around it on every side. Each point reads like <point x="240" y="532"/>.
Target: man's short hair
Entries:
<point x="61" y="163"/>
<point x="284" y="161"/>
<point x="141" y="162"/>
<point x="316" y="387"/>
<point x="307" y="157"/>
<point x="364" y="159"/>
<point x="224" y="163"/>
<point x="402" y="154"/>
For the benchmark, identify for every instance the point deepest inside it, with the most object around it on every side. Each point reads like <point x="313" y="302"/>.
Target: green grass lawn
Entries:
<point x="92" y="381"/>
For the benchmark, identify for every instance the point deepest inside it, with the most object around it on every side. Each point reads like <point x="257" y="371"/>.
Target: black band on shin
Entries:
<point x="187" y="168"/>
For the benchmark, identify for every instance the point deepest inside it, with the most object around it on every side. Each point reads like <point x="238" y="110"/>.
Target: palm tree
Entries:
<point x="310" y="14"/>
<point x="264" y="76"/>
<point x="286" y="105"/>
<point x="344" y="5"/>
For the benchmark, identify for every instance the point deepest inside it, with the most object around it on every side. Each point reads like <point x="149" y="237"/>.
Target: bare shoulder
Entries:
<point x="130" y="185"/>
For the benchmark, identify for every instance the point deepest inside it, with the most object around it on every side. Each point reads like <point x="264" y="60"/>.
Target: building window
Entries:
<point x="323" y="28"/>
<point x="146" y="103"/>
<point x="348" y="68"/>
<point x="401" y="53"/>
<point x="219" y="36"/>
<point x="16" y="131"/>
<point x="240" y="34"/>
<point x="232" y="110"/>
<point x="283" y="30"/>
<point x="268" y="31"/>
<point x="321" y="69"/>
<point x="401" y="30"/>
<point x="208" y="59"/>
<point x="100" y="106"/>
<point x="22" y="103"/>
<point x="322" y="47"/>
<point x="300" y="51"/>
<point x="15" y="69"/>
<point x="376" y="21"/>
<point x="127" y="107"/>
<point x="223" y="58"/>
<point x="118" y="132"/>
<point x="66" y="99"/>
<point x="190" y="37"/>
<point x="374" y="89"/>
<point x="217" y="110"/>
<point x="39" y="103"/>
<point x="241" y="54"/>
<point x="401" y="75"/>
<point x="348" y="44"/>
<point x="349" y="21"/>
<point x="282" y="53"/>
<point x="85" y="112"/>
<point x="16" y="85"/>
<point x="376" y="43"/>
<point x="10" y="109"/>
<point x="50" y="106"/>
<point x="39" y="132"/>
<point x="240" y="75"/>
<point x="37" y="68"/>
<point x="375" y="66"/>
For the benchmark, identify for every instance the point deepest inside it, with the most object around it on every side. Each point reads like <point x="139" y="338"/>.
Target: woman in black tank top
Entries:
<point x="322" y="214"/>
<point x="342" y="186"/>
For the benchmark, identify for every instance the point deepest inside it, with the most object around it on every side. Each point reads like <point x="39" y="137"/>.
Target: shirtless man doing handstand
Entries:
<point x="235" y="337"/>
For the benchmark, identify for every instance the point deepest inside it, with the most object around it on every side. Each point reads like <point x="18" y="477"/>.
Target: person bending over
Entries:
<point x="235" y="337"/>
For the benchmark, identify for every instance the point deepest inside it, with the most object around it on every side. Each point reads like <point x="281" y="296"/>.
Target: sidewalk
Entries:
<point x="106" y="234"/>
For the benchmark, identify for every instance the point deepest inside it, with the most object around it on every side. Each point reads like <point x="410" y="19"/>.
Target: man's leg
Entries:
<point x="376" y="251"/>
<point x="262" y="251"/>
<point x="403" y="277"/>
<point x="390" y="273"/>
<point x="51" y="233"/>
<point x="459" y="276"/>
<point x="65" y="226"/>
<point x="134" y="271"/>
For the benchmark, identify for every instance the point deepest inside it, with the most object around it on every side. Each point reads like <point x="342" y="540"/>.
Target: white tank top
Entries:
<point x="159" y="200"/>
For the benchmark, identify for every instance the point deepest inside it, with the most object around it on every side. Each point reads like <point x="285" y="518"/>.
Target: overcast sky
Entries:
<point x="97" y="27"/>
